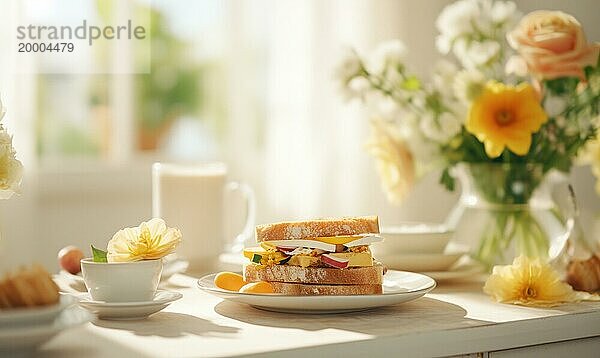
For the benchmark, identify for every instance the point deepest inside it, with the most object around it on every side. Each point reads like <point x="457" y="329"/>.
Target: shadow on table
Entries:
<point x="458" y="286"/>
<point x="85" y="343"/>
<point x="170" y="285"/>
<point x="83" y="349"/>
<point x="170" y="325"/>
<point x="425" y="314"/>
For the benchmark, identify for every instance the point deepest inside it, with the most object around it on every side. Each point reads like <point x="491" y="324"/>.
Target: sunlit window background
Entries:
<point x="245" y="82"/>
<point x="176" y="110"/>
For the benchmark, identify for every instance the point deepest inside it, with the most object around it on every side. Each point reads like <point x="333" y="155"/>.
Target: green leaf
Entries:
<point x="99" y="255"/>
<point x="562" y="86"/>
<point x="447" y="180"/>
<point x="433" y="102"/>
<point x="588" y="71"/>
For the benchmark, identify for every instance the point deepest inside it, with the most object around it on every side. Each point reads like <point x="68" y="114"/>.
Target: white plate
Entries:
<point x="420" y="262"/>
<point x="22" y="339"/>
<point x="128" y="310"/>
<point x="34" y="315"/>
<point x="398" y="287"/>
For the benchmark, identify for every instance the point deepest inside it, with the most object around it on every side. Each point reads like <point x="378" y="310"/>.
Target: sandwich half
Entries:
<point x="317" y="257"/>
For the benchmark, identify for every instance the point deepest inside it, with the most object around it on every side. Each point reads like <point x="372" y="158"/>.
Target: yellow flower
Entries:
<point x="151" y="240"/>
<point x="506" y="116"/>
<point x="531" y="282"/>
<point x="393" y="159"/>
<point x="11" y="169"/>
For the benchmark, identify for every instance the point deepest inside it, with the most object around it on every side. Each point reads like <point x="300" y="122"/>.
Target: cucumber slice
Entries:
<point x="256" y="258"/>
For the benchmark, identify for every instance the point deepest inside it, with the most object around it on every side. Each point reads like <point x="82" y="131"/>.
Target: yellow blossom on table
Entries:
<point x="151" y="240"/>
<point x="505" y="116"/>
<point x="394" y="160"/>
<point x="531" y="282"/>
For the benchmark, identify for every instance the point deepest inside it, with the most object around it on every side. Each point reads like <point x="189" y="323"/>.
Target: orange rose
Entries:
<point x="551" y="44"/>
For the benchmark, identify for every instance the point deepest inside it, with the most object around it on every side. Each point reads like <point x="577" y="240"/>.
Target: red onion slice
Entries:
<point x="334" y="261"/>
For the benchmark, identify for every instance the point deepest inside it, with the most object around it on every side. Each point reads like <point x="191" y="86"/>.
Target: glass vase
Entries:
<point x="507" y="210"/>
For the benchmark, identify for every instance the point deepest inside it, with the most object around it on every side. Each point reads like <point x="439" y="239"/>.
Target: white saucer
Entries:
<point x="420" y="262"/>
<point x="128" y="310"/>
<point x="398" y="287"/>
<point x="23" y="339"/>
<point x="69" y="283"/>
<point x="34" y="315"/>
<point x="460" y="273"/>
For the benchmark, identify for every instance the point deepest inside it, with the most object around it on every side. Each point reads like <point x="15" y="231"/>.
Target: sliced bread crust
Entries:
<point x="297" y="230"/>
<point x="297" y="289"/>
<point x="372" y="275"/>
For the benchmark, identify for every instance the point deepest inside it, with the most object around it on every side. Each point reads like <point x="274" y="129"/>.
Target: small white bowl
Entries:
<point x="121" y="281"/>
<point x="417" y="238"/>
<point x="420" y="262"/>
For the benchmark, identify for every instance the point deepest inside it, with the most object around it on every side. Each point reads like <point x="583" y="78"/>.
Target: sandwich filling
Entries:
<point x="337" y="251"/>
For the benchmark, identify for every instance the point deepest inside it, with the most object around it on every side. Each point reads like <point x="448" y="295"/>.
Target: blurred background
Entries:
<point x="244" y="82"/>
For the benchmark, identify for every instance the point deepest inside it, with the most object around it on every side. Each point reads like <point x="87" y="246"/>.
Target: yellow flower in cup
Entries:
<point x="506" y="116"/>
<point x="531" y="282"/>
<point x="151" y="240"/>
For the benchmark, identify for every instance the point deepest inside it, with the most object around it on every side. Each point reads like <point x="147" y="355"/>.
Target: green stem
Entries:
<point x="504" y="228"/>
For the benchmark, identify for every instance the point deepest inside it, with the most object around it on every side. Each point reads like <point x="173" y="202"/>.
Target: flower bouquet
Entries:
<point x="11" y="169"/>
<point x="519" y="100"/>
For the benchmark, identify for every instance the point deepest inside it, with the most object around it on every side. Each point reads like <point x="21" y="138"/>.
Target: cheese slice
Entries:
<point x="250" y="251"/>
<point x="366" y="240"/>
<point x="328" y="243"/>
<point x="303" y="260"/>
<point x="337" y="240"/>
<point x="344" y="240"/>
<point x="355" y="259"/>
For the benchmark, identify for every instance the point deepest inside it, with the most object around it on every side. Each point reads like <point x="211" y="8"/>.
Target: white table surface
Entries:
<point x="452" y="319"/>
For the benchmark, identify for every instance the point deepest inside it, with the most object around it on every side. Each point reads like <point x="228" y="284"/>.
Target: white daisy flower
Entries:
<point x="456" y="19"/>
<point x="504" y="12"/>
<point x="359" y="86"/>
<point x="443" y="77"/>
<point x="348" y="68"/>
<point x="468" y="85"/>
<point x="388" y="54"/>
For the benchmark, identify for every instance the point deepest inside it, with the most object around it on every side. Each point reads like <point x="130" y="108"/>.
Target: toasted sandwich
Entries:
<point x="317" y="257"/>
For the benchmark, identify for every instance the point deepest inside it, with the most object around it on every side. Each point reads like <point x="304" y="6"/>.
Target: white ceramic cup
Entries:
<point x="192" y="198"/>
<point x="121" y="281"/>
